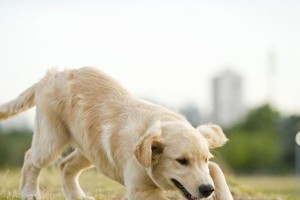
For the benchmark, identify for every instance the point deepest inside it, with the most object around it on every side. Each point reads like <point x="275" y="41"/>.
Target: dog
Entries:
<point x="141" y="145"/>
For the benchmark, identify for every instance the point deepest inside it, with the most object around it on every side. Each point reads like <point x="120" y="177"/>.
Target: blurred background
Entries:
<point x="234" y="63"/>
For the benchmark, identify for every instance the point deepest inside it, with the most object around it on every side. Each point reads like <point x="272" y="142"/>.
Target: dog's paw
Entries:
<point x="87" y="198"/>
<point x="31" y="197"/>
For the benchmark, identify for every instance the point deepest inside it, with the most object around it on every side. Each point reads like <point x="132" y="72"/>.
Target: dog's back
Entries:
<point x="78" y="92"/>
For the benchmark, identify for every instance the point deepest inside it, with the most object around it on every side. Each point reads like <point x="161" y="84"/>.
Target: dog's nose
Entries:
<point x="206" y="190"/>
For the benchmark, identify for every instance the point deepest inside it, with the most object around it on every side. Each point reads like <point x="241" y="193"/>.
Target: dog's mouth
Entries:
<point x="182" y="189"/>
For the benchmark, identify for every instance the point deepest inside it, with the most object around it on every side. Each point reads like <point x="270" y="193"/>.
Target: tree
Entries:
<point x="289" y="127"/>
<point x="254" y="141"/>
<point x="13" y="145"/>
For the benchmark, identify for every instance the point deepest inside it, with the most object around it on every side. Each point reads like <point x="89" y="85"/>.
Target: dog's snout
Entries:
<point x="206" y="190"/>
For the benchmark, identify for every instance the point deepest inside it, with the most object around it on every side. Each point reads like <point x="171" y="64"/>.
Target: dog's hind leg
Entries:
<point x="30" y="175"/>
<point x="49" y="138"/>
<point x="70" y="169"/>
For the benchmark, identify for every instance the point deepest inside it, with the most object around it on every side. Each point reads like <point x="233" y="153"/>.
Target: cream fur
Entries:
<point x="134" y="142"/>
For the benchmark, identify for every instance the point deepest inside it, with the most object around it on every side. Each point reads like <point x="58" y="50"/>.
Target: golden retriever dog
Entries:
<point x="143" y="146"/>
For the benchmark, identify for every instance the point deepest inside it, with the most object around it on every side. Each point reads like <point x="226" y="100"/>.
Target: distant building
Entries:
<point x="227" y="98"/>
<point x="192" y="114"/>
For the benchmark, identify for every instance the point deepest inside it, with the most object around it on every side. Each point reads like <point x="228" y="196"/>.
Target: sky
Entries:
<point x="164" y="50"/>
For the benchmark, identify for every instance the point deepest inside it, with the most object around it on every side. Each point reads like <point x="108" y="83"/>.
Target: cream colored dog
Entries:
<point x="141" y="145"/>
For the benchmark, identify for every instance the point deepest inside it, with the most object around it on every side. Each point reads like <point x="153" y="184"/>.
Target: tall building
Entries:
<point x="192" y="114"/>
<point x="227" y="98"/>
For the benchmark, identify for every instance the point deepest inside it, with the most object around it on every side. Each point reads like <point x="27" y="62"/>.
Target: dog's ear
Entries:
<point x="150" y="146"/>
<point x="213" y="134"/>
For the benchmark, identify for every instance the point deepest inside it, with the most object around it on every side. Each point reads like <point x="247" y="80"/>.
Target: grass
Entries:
<point x="244" y="187"/>
<point x="285" y="187"/>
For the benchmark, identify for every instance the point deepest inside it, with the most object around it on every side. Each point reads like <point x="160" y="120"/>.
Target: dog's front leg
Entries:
<point x="146" y="194"/>
<point x="143" y="188"/>
<point x="222" y="191"/>
<point x="139" y="185"/>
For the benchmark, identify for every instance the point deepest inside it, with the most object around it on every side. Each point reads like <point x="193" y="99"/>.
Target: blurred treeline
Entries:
<point x="262" y="142"/>
<point x="13" y="145"/>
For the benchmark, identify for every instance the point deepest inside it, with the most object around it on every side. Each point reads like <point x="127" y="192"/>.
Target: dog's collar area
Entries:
<point x="182" y="189"/>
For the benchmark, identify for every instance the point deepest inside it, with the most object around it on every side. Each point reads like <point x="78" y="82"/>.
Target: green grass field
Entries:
<point x="244" y="187"/>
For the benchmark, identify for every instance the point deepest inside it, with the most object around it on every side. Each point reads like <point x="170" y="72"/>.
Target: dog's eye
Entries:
<point x="183" y="161"/>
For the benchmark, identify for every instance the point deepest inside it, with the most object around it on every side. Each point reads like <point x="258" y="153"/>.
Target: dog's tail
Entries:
<point x="23" y="102"/>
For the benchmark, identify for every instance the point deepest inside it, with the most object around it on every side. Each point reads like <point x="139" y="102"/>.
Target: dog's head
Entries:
<point x="176" y="155"/>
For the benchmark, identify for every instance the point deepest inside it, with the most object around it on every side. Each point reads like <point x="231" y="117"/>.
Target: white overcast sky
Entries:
<point x="164" y="50"/>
